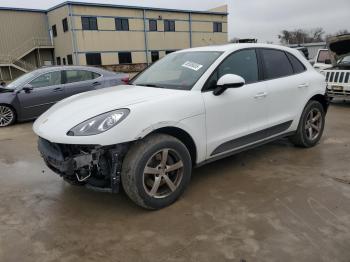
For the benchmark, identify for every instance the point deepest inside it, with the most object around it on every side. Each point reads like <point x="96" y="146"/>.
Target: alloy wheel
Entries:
<point x="313" y="124"/>
<point x="163" y="173"/>
<point x="6" y="116"/>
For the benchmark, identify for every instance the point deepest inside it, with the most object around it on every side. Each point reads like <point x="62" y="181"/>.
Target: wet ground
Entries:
<point x="273" y="203"/>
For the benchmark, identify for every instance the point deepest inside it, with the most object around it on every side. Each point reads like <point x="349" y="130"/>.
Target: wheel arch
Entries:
<point x="183" y="136"/>
<point x="323" y="99"/>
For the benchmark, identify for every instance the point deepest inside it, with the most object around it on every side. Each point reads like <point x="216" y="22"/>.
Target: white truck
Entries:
<point x="338" y="76"/>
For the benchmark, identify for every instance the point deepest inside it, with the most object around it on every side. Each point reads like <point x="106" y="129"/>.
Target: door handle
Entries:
<point x="260" y="95"/>
<point x="58" y="89"/>
<point x="303" y="85"/>
<point x="96" y="84"/>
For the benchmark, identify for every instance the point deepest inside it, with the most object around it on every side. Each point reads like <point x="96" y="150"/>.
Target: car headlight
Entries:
<point x="99" y="124"/>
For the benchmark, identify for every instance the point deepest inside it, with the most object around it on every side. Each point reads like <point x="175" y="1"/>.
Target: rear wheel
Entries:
<point x="7" y="116"/>
<point x="311" y="125"/>
<point x="156" y="171"/>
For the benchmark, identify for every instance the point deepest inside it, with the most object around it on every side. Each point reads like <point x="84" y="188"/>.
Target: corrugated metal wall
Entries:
<point x="16" y="27"/>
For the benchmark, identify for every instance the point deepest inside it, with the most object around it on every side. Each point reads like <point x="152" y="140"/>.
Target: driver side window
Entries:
<point x="243" y="63"/>
<point x="48" y="79"/>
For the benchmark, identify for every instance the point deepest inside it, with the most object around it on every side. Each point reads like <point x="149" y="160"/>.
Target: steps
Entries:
<point x="15" y="57"/>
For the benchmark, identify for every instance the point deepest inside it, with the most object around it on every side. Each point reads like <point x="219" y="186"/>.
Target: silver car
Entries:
<point x="32" y="94"/>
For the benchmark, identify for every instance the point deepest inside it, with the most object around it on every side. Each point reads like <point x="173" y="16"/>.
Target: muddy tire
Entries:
<point x="311" y="125"/>
<point x="156" y="171"/>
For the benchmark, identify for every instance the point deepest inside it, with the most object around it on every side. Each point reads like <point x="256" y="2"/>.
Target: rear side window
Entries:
<point x="72" y="76"/>
<point x="298" y="66"/>
<point x="276" y="64"/>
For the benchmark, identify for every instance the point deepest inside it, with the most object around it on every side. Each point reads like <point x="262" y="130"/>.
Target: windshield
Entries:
<point x="345" y="60"/>
<point x="177" y="70"/>
<point x="323" y="55"/>
<point x="20" y="81"/>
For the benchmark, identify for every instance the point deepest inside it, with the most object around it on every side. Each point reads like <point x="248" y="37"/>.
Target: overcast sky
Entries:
<point x="262" y="19"/>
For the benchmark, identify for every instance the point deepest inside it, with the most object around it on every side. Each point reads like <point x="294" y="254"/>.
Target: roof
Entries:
<point x="236" y="46"/>
<point x="22" y="9"/>
<point x="133" y="7"/>
<point x="111" y="6"/>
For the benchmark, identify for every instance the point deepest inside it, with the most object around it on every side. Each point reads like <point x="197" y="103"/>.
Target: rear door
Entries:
<point x="79" y="81"/>
<point x="47" y="90"/>
<point x="286" y="86"/>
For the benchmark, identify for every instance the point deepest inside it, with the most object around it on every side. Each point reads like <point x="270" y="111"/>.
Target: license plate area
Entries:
<point x="337" y="88"/>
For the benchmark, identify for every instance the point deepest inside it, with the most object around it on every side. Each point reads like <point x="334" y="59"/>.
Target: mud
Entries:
<point x="273" y="203"/>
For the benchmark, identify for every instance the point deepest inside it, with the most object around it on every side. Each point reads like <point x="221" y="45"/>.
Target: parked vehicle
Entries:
<point x="323" y="60"/>
<point x="338" y="76"/>
<point x="33" y="93"/>
<point x="188" y="109"/>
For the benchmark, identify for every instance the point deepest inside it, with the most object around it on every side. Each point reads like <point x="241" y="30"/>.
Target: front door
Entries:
<point x="47" y="90"/>
<point x="233" y="117"/>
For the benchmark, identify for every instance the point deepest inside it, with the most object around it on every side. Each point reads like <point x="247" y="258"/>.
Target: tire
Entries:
<point x="7" y="115"/>
<point x="154" y="187"/>
<point x="303" y="137"/>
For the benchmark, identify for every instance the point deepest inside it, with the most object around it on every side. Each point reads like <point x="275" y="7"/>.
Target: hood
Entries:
<point x="340" y="45"/>
<point x="78" y="108"/>
<point x="6" y="90"/>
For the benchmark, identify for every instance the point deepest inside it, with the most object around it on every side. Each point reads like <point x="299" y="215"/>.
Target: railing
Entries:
<point x="25" y="65"/>
<point x="29" y="45"/>
<point x="14" y="57"/>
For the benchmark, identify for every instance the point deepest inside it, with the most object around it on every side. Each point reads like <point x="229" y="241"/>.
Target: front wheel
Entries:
<point x="156" y="171"/>
<point x="311" y="125"/>
<point x="7" y="116"/>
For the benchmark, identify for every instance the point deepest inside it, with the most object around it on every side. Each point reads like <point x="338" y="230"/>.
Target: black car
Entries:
<point x="33" y="93"/>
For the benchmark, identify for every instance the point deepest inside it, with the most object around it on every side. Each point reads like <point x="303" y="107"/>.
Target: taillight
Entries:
<point x="126" y="80"/>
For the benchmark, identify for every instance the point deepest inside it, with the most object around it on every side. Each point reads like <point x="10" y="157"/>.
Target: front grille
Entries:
<point x="341" y="77"/>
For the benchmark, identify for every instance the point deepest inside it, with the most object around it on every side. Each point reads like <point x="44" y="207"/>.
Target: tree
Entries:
<point x="301" y="36"/>
<point x="340" y="32"/>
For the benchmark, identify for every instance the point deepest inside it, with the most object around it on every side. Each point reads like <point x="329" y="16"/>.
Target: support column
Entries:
<point x="190" y="21"/>
<point x="145" y="35"/>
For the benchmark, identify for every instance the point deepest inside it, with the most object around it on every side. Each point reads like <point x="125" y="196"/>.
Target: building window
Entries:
<point x="58" y="60"/>
<point x="70" y="59"/>
<point x="64" y="61"/>
<point x="65" y="25"/>
<point x="93" y="59"/>
<point x="167" y="52"/>
<point x="153" y="25"/>
<point x="169" y="25"/>
<point x="54" y="30"/>
<point x="217" y="27"/>
<point x="124" y="58"/>
<point x="122" y="24"/>
<point x="154" y="56"/>
<point x="89" y="23"/>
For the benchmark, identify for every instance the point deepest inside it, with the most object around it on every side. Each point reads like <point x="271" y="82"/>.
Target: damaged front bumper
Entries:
<point x="96" y="167"/>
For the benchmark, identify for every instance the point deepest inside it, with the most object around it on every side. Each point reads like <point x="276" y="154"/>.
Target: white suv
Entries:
<point x="190" y="108"/>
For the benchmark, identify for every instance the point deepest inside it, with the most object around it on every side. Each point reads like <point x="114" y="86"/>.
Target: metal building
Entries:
<point x="124" y="38"/>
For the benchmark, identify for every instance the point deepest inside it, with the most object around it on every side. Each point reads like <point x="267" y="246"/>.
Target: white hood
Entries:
<point x="59" y="119"/>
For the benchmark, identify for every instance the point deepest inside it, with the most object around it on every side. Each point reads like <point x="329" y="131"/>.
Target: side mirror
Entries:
<point x="228" y="81"/>
<point x="27" y="88"/>
<point x="328" y="62"/>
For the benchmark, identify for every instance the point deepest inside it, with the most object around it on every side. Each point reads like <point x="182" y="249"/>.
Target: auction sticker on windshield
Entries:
<point x="192" y="65"/>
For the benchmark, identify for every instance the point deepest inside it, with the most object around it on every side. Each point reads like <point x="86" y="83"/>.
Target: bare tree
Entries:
<point x="301" y="36"/>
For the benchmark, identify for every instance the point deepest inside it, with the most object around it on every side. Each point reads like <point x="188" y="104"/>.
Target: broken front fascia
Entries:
<point x="96" y="167"/>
